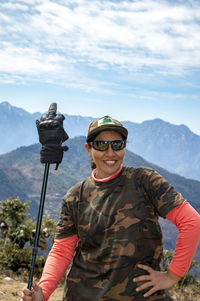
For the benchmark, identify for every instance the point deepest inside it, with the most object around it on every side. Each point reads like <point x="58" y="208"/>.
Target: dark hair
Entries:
<point x="92" y="163"/>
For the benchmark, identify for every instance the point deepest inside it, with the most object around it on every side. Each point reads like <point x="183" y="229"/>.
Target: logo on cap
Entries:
<point x="106" y="120"/>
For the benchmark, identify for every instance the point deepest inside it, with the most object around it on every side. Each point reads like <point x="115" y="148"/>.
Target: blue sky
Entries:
<point x="133" y="60"/>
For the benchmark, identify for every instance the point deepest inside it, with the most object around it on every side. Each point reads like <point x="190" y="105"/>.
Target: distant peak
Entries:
<point x="5" y="104"/>
<point x="8" y="108"/>
<point x="155" y="121"/>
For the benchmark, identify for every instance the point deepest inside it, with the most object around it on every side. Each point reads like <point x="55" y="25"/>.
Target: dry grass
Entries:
<point x="10" y="290"/>
<point x="191" y="293"/>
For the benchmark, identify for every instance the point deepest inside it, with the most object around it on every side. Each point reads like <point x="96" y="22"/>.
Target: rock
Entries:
<point x="8" y="278"/>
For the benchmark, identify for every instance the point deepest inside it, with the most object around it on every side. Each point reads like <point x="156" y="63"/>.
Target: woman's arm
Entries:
<point x="187" y="220"/>
<point x="58" y="260"/>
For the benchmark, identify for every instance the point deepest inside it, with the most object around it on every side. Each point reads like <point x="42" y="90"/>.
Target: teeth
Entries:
<point x="110" y="162"/>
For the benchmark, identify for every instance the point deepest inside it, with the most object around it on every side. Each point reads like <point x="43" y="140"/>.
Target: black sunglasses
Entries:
<point x="102" y="145"/>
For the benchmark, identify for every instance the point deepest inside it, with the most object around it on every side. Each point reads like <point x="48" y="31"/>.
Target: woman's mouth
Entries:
<point x="110" y="162"/>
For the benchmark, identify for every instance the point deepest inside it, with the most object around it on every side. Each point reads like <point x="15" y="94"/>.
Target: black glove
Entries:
<point x="51" y="136"/>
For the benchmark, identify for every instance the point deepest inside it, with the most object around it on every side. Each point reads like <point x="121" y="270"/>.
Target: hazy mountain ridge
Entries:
<point x="174" y="147"/>
<point x="22" y="166"/>
<point x="21" y="174"/>
<point x="17" y="127"/>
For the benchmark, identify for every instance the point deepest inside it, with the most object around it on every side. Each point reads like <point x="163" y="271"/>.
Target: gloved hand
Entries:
<point x="51" y="136"/>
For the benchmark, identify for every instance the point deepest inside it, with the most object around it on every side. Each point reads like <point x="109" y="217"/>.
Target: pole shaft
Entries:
<point x="38" y="225"/>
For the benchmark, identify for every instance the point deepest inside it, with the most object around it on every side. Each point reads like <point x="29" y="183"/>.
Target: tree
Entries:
<point x="17" y="231"/>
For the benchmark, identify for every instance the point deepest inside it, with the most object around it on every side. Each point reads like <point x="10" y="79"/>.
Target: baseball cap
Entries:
<point x="105" y="123"/>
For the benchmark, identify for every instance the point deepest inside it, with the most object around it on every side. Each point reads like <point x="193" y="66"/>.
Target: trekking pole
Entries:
<point x="51" y="136"/>
<point x="38" y="226"/>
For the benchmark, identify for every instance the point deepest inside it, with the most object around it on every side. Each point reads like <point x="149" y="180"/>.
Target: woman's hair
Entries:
<point x="92" y="163"/>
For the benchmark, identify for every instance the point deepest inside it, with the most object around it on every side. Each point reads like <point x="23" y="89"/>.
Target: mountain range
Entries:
<point x="21" y="172"/>
<point x="174" y="147"/>
<point x="21" y="175"/>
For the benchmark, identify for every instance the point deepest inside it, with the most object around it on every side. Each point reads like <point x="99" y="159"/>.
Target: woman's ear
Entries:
<point x="88" y="148"/>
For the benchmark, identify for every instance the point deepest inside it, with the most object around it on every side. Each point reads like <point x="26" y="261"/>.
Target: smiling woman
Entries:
<point x="109" y="226"/>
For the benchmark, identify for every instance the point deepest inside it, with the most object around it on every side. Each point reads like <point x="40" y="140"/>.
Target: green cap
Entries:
<point x="105" y="123"/>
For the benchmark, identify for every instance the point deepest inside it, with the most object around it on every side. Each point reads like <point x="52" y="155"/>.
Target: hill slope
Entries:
<point x="173" y="147"/>
<point x="23" y="169"/>
<point x="22" y="176"/>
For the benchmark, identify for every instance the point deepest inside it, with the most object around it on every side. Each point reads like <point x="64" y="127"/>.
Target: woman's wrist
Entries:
<point x="175" y="279"/>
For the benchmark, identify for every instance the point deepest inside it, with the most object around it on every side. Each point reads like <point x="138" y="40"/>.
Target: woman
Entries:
<point x="110" y="222"/>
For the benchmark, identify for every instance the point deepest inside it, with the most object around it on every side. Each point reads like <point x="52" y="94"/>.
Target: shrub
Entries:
<point x="189" y="278"/>
<point x="17" y="232"/>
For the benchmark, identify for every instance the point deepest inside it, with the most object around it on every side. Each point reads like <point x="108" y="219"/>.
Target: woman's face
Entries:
<point x="108" y="161"/>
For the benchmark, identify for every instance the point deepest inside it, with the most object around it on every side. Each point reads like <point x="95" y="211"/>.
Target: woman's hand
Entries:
<point x="155" y="280"/>
<point x="34" y="295"/>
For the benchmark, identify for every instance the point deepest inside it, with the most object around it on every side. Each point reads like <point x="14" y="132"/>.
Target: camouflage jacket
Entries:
<point x="117" y="224"/>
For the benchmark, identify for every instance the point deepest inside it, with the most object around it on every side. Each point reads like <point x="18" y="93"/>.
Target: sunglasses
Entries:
<point x="102" y="145"/>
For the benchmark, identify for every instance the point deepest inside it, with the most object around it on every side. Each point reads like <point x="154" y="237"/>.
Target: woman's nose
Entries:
<point x="110" y="150"/>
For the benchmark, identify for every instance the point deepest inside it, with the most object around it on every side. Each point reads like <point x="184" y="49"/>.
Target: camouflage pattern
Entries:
<point x="117" y="223"/>
<point x="105" y="123"/>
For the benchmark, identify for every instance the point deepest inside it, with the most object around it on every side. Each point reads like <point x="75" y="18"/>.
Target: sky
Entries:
<point x="133" y="60"/>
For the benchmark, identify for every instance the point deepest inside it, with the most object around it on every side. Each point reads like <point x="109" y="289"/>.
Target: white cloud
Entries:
<point x="15" y="6"/>
<point x="54" y="37"/>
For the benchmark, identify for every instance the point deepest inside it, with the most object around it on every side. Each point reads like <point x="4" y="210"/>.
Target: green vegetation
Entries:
<point x="189" y="278"/>
<point x="17" y="231"/>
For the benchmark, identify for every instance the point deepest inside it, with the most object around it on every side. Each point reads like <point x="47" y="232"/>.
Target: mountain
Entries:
<point x="174" y="147"/>
<point x="17" y="127"/>
<point x="21" y="174"/>
<point x="23" y="169"/>
<point x="11" y="184"/>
